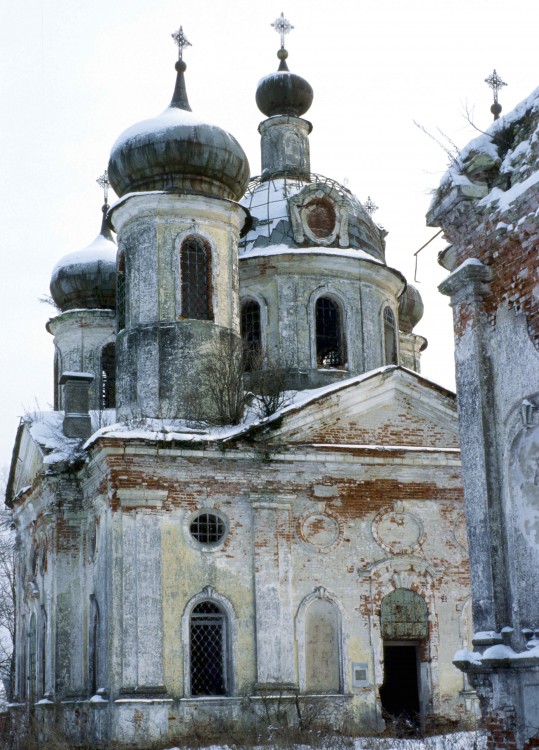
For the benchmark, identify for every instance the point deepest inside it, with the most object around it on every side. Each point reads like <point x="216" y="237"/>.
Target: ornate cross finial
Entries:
<point x="282" y="26"/>
<point x="181" y="40"/>
<point x="104" y="183"/>
<point x="370" y="206"/>
<point x="495" y="83"/>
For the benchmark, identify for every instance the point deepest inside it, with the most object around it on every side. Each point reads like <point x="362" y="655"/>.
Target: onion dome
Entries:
<point x="87" y="279"/>
<point x="410" y="309"/>
<point x="283" y="92"/>
<point x="178" y="151"/>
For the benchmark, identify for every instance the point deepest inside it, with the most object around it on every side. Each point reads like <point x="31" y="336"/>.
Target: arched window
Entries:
<point x="251" y="332"/>
<point x="322" y="653"/>
<point x="329" y="334"/>
<point x="208" y="650"/>
<point x="390" y="337"/>
<point x="195" y="268"/>
<point x="43" y="650"/>
<point x="108" y="377"/>
<point x="56" y="379"/>
<point x="32" y="660"/>
<point x="120" y="292"/>
<point x="93" y="647"/>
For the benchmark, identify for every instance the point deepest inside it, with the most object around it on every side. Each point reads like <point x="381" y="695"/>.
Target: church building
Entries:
<point x="192" y="559"/>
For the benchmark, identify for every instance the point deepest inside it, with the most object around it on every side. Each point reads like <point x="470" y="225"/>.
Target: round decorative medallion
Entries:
<point x="319" y="530"/>
<point x="320" y="217"/>
<point x="397" y="532"/>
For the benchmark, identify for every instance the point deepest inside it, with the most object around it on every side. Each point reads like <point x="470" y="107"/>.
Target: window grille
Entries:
<point x="251" y="331"/>
<point x="329" y="348"/>
<point x="195" y="279"/>
<point x="208" y="650"/>
<point x="403" y="615"/>
<point x="108" y="377"/>
<point x="43" y="651"/>
<point x="390" y="337"/>
<point x="208" y="528"/>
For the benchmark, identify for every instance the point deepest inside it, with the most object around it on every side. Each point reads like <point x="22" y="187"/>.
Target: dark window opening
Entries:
<point x="108" y="377"/>
<point x="208" y="650"/>
<point x="400" y="692"/>
<point x="195" y="267"/>
<point x="251" y="333"/>
<point x="390" y="337"/>
<point x="329" y="340"/>
<point x="207" y="528"/>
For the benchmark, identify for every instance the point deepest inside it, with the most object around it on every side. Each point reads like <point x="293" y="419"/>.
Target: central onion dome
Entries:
<point x="178" y="151"/>
<point x="86" y="279"/>
<point x="283" y="92"/>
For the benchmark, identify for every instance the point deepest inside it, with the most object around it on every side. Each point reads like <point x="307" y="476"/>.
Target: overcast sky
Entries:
<point x="76" y="73"/>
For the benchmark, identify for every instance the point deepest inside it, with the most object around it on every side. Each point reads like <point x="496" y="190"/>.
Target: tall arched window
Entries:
<point x="56" y="379"/>
<point x="120" y="292"/>
<point x="208" y="650"/>
<point x="32" y="660"/>
<point x="93" y="647"/>
<point x="322" y="652"/>
<point x="195" y="269"/>
<point x="390" y="337"/>
<point x="43" y="650"/>
<point x="329" y="334"/>
<point x="251" y="331"/>
<point x="108" y="377"/>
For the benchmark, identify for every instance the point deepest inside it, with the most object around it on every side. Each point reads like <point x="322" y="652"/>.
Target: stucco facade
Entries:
<point x="176" y="570"/>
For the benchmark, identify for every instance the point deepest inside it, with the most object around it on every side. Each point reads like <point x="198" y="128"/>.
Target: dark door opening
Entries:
<point x="400" y="691"/>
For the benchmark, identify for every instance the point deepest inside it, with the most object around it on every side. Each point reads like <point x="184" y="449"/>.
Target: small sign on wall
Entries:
<point x="360" y="674"/>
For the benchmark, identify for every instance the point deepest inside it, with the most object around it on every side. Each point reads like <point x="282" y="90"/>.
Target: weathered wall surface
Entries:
<point x="487" y="207"/>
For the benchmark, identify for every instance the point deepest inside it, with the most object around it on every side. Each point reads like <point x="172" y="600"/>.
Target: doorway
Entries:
<point x="400" y="692"/>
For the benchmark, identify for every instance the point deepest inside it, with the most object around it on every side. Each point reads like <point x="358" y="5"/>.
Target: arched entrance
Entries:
<point x="404" y="628"/>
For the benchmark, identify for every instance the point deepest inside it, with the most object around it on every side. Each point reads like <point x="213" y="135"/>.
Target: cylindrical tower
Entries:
<point x="83" y="287"/>
<point x="178" y="225"/>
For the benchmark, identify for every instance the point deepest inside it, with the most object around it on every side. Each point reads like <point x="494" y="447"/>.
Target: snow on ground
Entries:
<point x="457" y="741"/>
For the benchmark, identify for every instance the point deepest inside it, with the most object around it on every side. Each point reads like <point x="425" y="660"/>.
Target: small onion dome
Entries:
<point x="87" y="279"/>
<point x="410" y="309"/>
<point x="283" y="92"/>
<point x="178" y="151"/>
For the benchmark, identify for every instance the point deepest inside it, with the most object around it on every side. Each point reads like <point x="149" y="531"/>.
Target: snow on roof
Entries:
<point x="170" y="118"/>
<point x="101" y="249"/>
<point x="490" y="150"/>
<point x="349" y="252"/>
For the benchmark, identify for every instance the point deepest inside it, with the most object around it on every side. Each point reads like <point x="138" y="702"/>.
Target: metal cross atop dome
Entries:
<point x="181" y="40"/>
<point x="370" y="206"/>
<point x="495" y="83"/>
<point x="104" y="183"/>
<point x="282" y="26"/>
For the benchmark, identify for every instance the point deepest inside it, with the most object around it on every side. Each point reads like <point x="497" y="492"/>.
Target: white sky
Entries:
<point x="75" y="73"/>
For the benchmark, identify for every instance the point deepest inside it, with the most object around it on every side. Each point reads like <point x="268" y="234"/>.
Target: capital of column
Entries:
<point x="469" y="282"/>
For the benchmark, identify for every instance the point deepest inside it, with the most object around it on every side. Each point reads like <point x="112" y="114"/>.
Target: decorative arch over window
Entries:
<point x="390" y="337"/>
<point x="108" y="377"/>
<point x="251" y="331"/>
<point x="195" y="273"/>
<point x="330" y="349"/>
<point x="404" y="616"/>
<point x="209" y="630"/>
